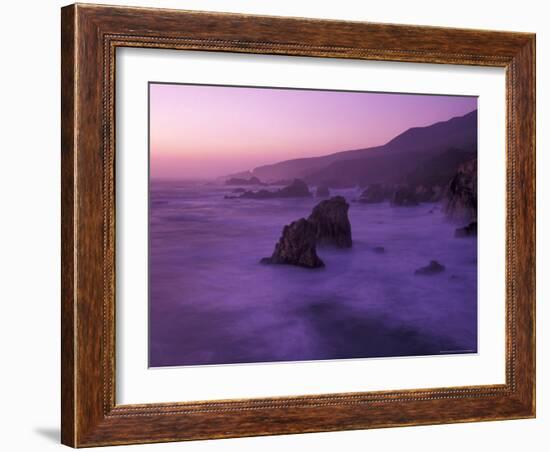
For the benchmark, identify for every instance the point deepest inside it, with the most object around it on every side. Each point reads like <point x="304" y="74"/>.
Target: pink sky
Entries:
<point x="210" y="131"/>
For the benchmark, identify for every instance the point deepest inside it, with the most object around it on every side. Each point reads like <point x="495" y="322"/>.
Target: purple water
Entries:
<point x="212" y="302"/>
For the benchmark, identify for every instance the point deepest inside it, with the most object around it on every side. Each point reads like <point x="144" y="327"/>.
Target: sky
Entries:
<point x="204" y="132"/>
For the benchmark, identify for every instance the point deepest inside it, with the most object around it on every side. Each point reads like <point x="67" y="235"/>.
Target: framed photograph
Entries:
<point x="282" y="225"/>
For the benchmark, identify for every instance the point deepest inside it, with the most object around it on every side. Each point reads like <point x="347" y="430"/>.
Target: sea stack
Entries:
<point x="297" y="189"/>
<point x="297" y="246"/>
<point x="461" y="195"/>
<point x="374" y="193"/>
<point x="242" y="181"/>
<point x="404" y="196"/>
<point x="331" y="222"/>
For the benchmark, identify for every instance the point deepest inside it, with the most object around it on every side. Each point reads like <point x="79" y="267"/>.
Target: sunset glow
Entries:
<point x="211" y="131"/>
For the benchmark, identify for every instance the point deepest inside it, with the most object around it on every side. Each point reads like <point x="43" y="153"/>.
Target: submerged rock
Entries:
<point x="375" y="193"/>
<point x="296" y="246"/>
<point x="404" y="196"/>
<point x="322" y="191"/>
<point x="467" y="231"/>
<point x="238" y="190"/>
<point x="297" y="189"/>
<point x="332" y="225"/>
<point x="461" y="195"/>
<point x="379" y="249"/>
<point x="432" y="269"/>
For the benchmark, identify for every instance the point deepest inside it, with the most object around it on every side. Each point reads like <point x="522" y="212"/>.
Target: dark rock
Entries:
<point x="322" y="191"/>
<point x="297" y="189"/>
<point x="296" y="246"/>
<point x="467" y="231"/>
<point x="328" y="224"/>
<point x="330" y="218"/>
<point x="432" y="269"/>
<point x="438" y="168"/>
<point x="379" y="249"/>
<point x="375" y="193"/>
<point x="238" y="190"/>
<point x="242" y="181"/>
<point x="461" y="193"/>
<point x="404" y="196"/>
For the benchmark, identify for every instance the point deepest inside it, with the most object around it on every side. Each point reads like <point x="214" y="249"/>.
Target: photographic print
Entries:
<point x="298" y="225"/>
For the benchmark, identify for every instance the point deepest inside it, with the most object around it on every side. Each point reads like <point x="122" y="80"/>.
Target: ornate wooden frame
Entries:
<point x="90" y="35"/>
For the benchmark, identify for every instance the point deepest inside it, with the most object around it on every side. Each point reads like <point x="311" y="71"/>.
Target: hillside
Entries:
<point x="441" y="146"/>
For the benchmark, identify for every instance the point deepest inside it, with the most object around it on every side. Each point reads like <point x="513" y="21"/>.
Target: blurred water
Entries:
<point x="212" y="302"/>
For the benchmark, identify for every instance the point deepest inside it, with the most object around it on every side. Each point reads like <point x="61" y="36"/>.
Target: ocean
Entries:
<point x="212" y="302"/>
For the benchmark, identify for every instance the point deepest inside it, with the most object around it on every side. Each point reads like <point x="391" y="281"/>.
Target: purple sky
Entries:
<point x="211" y="131"/>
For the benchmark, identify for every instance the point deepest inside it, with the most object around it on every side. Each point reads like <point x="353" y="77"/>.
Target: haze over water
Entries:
<point x="213" y="303"/>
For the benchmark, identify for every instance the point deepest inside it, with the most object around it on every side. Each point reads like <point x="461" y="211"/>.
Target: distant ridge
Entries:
<point x="389" y="163"/>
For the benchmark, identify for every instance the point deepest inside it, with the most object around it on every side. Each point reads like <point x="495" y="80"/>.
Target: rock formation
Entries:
<point x="467" y="231"/>
<point x="330" y="218"/>
<point x="375" y="193"/>
<point x="432" y="269"/>
<point x="461" y="195"/>
<point x="404" y="196"/>
<point x="328" y="224"/>
<point x="296" y="246"/>
<point x="297" y="189"/>
<point x="322" y="191"/>
<point x="242" y="181"/>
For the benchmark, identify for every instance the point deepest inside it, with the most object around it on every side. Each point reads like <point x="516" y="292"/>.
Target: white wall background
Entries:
<point x="29" y="227"/>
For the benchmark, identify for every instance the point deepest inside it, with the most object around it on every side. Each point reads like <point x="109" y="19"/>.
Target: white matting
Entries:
<point x="138" y="384"/>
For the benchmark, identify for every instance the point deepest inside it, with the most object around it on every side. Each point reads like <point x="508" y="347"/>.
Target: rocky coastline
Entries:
<point x="328" y="223"/>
